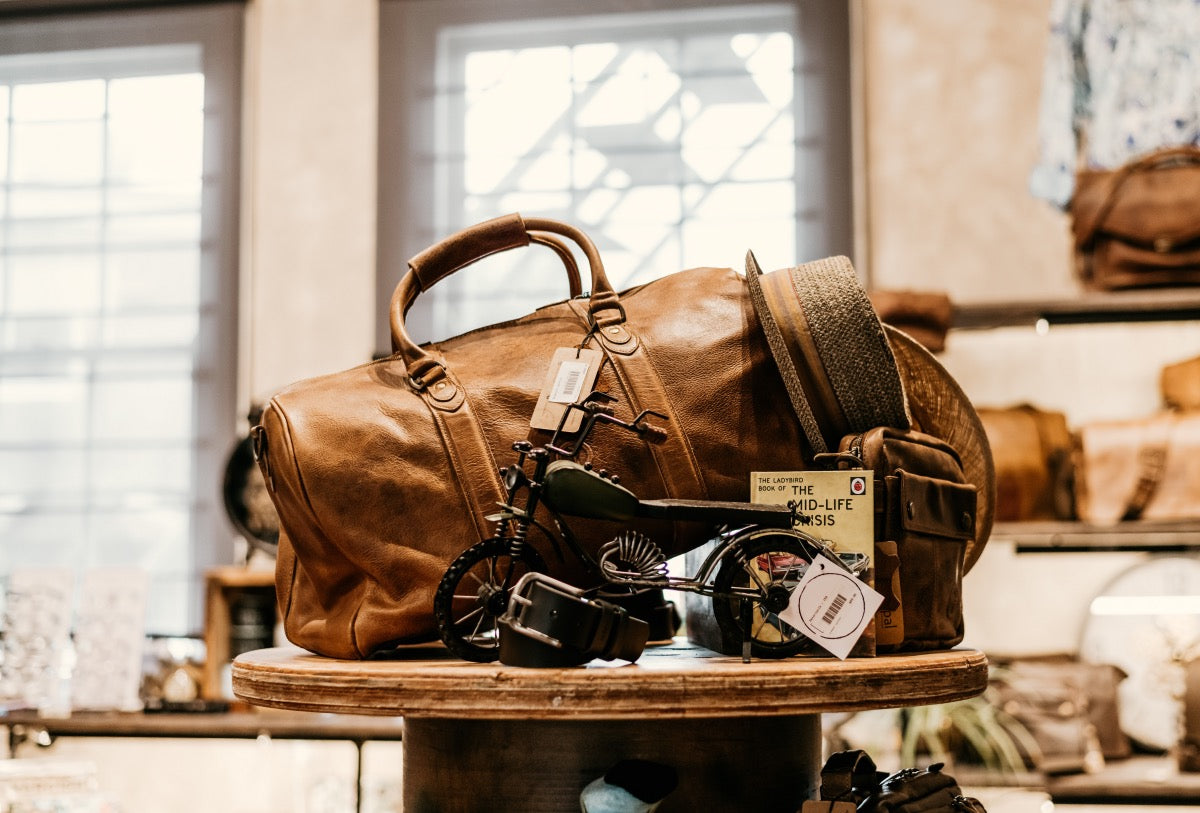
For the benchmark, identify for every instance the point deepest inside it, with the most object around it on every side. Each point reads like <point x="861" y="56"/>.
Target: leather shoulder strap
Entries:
<point x="678" y="467"/>
<point x="471" y="459"/>
<point x="1152" y="463"/>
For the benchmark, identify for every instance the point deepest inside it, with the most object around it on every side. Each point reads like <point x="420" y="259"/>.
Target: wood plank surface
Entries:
<point x="668" y="682"/>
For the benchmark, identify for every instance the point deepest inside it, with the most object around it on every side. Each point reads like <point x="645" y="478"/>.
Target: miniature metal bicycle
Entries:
<point x="758" y="558"/>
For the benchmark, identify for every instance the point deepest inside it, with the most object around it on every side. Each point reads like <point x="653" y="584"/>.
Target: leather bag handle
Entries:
<point x="1186" y="154"/>
<point x="477" y="242"/>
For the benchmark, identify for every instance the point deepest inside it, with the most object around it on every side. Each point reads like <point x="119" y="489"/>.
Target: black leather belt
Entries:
<point x="552" y="624"/>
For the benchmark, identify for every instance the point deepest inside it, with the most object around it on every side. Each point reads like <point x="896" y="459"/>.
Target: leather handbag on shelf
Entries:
<point x="924" y="518"/>
<point x="1033" y="451"/>
<point x="1069" y="708"/>
<point x="383" y="473"/>
<point x="1179" y="384"/>
<point x="1146" y="468"/>
<point x="924" y="315"/>
<point x="1139" y="225"/>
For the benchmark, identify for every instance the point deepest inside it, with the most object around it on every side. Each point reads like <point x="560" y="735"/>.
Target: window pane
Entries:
<point x="155" y="469"/>
<point x="54" y="202"/>
<point x="153" y="279"/>
<point x="58" y="101"/>
<point x="43" y="472"/>
<point x="137" y="410"/>
<point x="57" y="152"/>
<point x="641" y="125"/>
<point x="51" y="283"/>
<point x="50" y="409"/>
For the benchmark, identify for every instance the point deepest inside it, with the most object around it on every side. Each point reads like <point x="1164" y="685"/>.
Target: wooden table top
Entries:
<point x="676" y="681"/>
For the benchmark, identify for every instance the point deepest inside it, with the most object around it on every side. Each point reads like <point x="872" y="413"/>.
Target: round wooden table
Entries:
<point x="488" y="737"/>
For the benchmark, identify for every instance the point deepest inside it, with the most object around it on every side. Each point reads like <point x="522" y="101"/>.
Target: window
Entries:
<point x="674" y="137"/>
<point x="118" y="240"/>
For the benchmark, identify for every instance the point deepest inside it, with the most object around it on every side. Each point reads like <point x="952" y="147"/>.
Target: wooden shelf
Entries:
<point x="1070" y="537"/>
<point x="1150" y="305"/>
<point x="1136" y="781"/>
<point x="290" y="725"/>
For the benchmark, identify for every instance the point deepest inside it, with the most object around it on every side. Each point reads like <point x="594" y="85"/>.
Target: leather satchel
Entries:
<point x="1146" y="468"/>
<point x="1033" y="450"/>
<point x="1139" y="225"/>
<point x="924" y="517"/>
<point x="927" y="316"/>
<point x="1069" y="708"/>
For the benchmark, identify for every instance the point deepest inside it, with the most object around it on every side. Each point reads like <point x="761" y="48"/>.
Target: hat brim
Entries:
<point x="939" y="407"/>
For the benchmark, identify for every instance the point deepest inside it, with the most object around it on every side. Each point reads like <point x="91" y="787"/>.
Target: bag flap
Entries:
<point x="1156" y="208"/>
<point x="887" y="449"/>
<point x="936" y="507"/>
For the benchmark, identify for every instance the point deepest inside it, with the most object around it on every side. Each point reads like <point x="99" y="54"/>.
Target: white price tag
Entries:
<point x="831" y="606"/>
<point x="568" y="383"/>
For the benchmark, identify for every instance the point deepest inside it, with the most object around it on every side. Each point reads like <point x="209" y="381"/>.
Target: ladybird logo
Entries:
<point x="858" y="486"/>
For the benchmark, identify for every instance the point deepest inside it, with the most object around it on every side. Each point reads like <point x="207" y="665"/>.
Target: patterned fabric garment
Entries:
<point x="1122" y="78"/>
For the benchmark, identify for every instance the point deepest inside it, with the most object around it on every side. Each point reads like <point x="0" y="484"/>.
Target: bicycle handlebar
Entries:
<point x="597" y="406"/>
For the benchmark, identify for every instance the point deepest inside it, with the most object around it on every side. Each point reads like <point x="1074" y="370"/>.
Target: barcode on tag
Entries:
<point x="835" y="607"/>
<point x="568" y="384"/>
<point x="831" y="606"/>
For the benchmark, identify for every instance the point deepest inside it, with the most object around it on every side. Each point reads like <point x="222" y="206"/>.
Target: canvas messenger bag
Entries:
<point x="383" y="473"/>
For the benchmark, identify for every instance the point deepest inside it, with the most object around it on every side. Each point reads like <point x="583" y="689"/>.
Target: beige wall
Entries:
<point x="948" y="107"/>
<point x="308" y="258"/>
<point x="949" y="104"/>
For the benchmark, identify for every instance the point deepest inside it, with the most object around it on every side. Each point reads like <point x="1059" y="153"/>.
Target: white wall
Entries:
<point x="311" y="98"/>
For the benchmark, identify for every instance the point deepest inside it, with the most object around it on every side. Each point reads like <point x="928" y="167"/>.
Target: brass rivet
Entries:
<point x="614" y="330"/>
<point x="441" y="386"/>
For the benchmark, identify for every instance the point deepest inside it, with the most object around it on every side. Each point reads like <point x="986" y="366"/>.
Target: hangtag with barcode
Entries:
<point x="571" y="376"/>
<point x="831" y="606"/>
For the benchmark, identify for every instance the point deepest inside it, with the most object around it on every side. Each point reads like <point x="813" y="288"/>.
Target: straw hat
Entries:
<point x="846" y="372"/>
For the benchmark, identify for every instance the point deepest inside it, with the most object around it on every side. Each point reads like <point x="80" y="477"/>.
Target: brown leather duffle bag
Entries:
<point x="383" y="473"/>
<point x="1138" y="225"/>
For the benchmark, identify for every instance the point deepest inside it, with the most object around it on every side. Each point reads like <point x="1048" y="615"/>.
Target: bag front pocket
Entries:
<point x="930" y="520"/>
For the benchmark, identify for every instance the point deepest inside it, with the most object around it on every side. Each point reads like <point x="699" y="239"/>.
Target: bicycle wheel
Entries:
<point x="766" y="569"/>
<point x="472" y="596"/>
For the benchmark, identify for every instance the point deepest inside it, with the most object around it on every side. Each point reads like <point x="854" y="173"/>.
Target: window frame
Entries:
<point x="218" y="28"/>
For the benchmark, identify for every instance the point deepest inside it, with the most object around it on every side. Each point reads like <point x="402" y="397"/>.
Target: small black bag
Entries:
<point x="850" y="777"/>
<point x="919" y="789"/>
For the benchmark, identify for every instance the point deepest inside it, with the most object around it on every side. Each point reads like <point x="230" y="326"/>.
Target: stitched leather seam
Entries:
<point x="476" y="448"/>
<point x="635" y="354"/>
